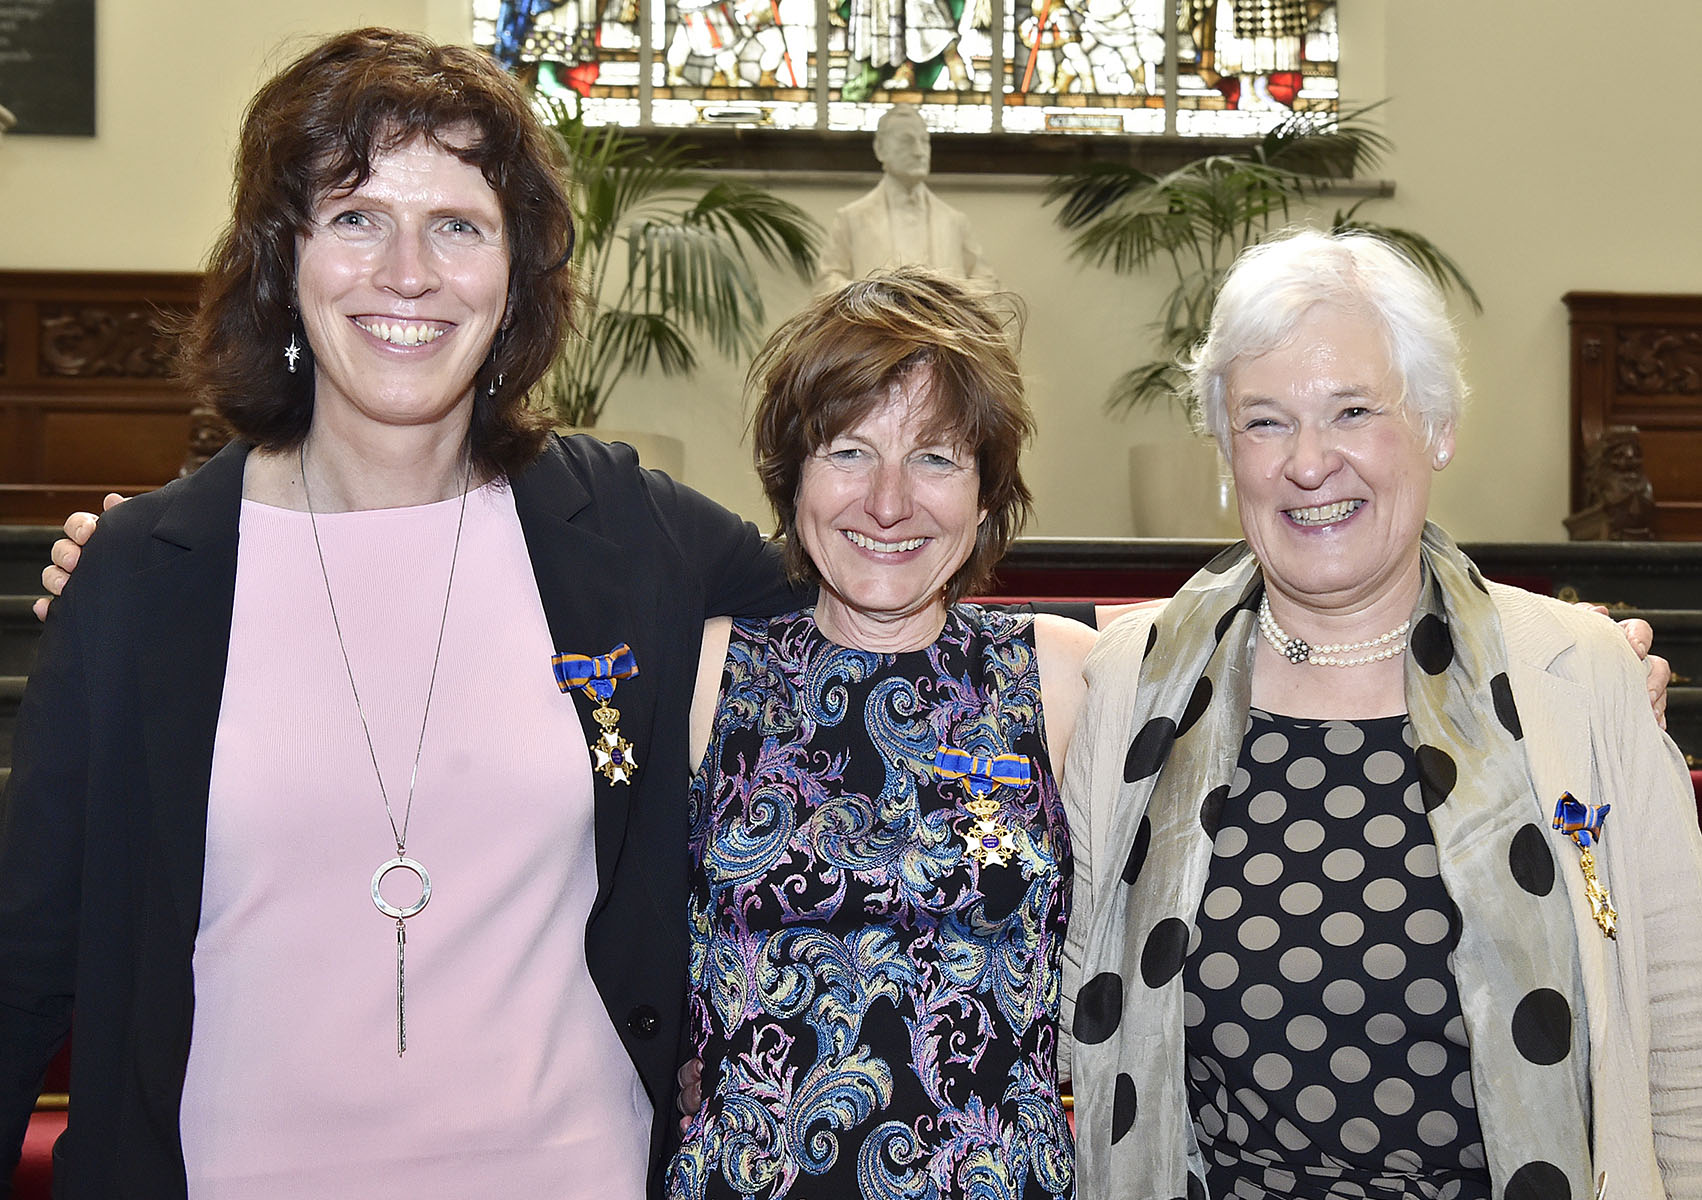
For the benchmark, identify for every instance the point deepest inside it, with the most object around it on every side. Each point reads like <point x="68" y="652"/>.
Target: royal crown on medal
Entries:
<point x="987" y="840"/>
<point x="596" y="675"/>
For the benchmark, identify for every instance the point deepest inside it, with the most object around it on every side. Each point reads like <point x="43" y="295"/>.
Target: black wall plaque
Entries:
<point x="47" y="65"/>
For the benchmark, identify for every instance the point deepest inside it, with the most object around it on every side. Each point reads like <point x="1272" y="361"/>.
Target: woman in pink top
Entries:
<point x="339" y="786"/>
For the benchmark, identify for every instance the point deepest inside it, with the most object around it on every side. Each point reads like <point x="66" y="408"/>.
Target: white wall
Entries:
<point x="1535" y="148"/>
<point x="149" y="192"/>
<point x="1549" y="153"/>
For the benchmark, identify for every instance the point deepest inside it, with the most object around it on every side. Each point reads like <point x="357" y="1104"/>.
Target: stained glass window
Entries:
<point x="1192" y="67"/>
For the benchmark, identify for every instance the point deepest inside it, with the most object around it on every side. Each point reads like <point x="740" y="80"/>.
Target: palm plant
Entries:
<point x="1195" y="220"/>
<point x="664" y="253"/>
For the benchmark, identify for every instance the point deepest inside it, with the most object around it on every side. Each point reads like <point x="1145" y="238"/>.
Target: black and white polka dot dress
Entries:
<point x="1326" y="1051"/>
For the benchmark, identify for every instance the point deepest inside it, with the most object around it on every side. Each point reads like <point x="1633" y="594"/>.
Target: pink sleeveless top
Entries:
<point x="514" y="1082"/>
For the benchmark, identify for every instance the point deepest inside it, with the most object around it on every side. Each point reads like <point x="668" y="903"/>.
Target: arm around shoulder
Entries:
<point x="741" y="572"/>
<point x="1062" y="647"/>
<point x="41" y="840"/>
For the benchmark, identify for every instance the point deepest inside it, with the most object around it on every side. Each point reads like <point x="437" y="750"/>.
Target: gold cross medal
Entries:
<point x="1601" y="904"/>
<point x="595" y="675"/>
<point x="614" y="753"/>
<point x="1585" y="824"/>
<point x="988" y="842"/>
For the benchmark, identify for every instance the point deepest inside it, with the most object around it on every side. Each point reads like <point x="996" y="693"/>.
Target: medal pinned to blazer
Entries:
<point x="596" y="676"/>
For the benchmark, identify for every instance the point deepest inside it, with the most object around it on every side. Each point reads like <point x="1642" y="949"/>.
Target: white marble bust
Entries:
<point x="900" y="222"/>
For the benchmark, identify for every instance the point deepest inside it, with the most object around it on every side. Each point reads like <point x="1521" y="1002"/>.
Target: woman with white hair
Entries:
<point x="1353" y="919"/>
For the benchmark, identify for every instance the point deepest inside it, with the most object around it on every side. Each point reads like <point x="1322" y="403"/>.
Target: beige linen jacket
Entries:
<point x="1588" y="730"/>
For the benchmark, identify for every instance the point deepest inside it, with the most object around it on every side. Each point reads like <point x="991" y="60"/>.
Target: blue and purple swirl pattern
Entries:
<point x="876" y="1012"/>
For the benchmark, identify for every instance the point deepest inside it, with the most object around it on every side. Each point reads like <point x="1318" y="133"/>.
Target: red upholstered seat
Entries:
<point x="33" y="1179"/>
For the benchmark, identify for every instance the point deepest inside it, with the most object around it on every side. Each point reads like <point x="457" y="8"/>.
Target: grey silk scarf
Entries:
<point x="1517" y="960"/>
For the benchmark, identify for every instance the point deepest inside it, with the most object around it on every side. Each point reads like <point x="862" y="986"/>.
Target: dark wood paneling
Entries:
<point x="1639" y="574"/>
<point x="1637" y="360"/>
<point x="30" y="504"/>
<point x="87" y="400"/>
<point x="90" y="443"/>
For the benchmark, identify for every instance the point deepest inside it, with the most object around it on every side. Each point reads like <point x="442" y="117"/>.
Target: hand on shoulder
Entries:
<point x="1641" y="635"/>
<point x="1062" y="646"/>
<point x="79" y="527"/>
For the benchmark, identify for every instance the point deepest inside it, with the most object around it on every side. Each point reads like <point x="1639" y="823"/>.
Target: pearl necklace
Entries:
<point x="1297" y="651"/>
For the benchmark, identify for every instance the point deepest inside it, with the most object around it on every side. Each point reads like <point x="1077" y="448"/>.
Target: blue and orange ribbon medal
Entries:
<point x="1583" y="824"/>
<point x="987" y="841"/>
<point x="596" y="675"/>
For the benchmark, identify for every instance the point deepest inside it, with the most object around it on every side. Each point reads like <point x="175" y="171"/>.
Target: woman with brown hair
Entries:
<point x="882" y="864"/>
<point x="303" y="821"/>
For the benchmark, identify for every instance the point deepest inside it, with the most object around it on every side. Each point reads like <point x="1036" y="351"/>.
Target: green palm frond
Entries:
<point x="594" y="360"/>
<point x="1204" y="211"/>
<point x="665" y="253"/>
<point x="1194" y="221"/>
<point x="1149" y="383"/>
<point x="637" y="340"/>
<point x="768" y="223"/>
<point x="1430" y="258"/>
<point x="1330" y="145"/>
<point x="696" y="273"/>
<point x="1088" y="192"/>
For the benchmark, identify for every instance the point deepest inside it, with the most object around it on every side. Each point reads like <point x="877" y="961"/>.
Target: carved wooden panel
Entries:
<point x="1659" y="360"/>
<point x="87" y="341"/>
<point x="1637" y="360"/>
<point x="87" y="400"/>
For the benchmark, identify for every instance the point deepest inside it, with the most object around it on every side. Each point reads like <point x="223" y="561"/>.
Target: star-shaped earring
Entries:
<point x="292" y="352"/>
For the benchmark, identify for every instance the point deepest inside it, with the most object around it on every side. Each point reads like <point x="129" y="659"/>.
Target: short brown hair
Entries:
<point x="316" y="126"/>
<point x="833" y="364"/>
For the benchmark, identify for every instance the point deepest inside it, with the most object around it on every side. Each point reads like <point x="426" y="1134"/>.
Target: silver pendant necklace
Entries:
<point x="400" y="914"/>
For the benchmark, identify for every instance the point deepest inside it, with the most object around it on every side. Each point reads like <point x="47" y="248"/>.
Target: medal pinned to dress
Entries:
<point x="987" y="840"/>
<point x="596" y="675"/>
<point x="1583" y="824"/>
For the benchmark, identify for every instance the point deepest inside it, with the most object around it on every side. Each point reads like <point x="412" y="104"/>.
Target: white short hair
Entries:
<point x="1272" y="287"/>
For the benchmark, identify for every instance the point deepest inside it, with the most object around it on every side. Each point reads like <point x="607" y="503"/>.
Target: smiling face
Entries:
<point x="402" y="284"/>
<point x="887" y="516"/>
<point x="1332" y="477"/>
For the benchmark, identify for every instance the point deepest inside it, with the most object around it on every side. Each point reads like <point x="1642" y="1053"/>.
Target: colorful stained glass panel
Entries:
<point x="1054" y="66"/>
<point x="1244" y="65"/>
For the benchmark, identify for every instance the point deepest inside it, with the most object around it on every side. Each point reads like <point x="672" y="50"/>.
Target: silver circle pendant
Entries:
<point x="400" y="864"/>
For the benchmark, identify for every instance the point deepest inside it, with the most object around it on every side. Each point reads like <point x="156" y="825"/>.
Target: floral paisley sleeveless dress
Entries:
<point x="876" y="1010"/>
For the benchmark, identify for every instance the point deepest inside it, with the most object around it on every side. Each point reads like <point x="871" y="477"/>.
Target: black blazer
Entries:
<point x="103" y="832"/>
